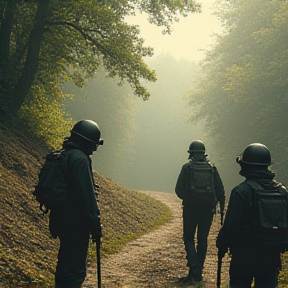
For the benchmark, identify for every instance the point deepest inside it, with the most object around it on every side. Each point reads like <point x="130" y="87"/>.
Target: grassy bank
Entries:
<point x="27" y="251"/>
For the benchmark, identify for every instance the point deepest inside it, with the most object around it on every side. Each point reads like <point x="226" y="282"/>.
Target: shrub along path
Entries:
<point x="158" y="258"/>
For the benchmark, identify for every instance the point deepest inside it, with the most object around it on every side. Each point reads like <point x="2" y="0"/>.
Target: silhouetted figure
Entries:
<point x="200" y="187"/>
<point x="80" y="217"/>
<point x="255" y="226"/>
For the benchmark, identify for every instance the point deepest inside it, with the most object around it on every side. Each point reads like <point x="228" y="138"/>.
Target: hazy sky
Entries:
<point x="188" y="36"/>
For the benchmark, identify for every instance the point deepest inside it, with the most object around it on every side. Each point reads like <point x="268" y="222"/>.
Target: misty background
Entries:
<point x="146" y="142"/>
<point x="219" y="79"/>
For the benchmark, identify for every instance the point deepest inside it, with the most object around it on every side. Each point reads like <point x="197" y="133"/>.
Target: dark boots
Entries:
<point x="194" y="275"/>
<point x="58" y="285"/>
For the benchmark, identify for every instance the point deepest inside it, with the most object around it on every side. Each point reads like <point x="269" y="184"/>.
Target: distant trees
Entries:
<point x="243" y="96"/>
<point x="144" y="142"/>
<point x="114" y="108"/>
<point x="45" y="42"/>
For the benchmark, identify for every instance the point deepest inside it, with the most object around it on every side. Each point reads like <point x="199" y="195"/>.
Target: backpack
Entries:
<point x="52" y="189"/>
<point x="201" y="182"/>
<point x="268" y="223"/>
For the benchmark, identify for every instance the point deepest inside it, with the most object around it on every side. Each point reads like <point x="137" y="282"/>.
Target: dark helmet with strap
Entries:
<point x="88" y="130"/>
<point x="255" y="154"/>
<point x="196" y="146"/>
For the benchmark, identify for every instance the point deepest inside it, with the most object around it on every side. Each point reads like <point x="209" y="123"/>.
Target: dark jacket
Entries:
<point x="233" y="232"/>
<point x="82" y="209"/>
<point x="182" y="190"/>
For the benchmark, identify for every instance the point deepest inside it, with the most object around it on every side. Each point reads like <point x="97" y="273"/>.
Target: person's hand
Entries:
<point x="96" y="236"/>
<point x="222" y="252"/>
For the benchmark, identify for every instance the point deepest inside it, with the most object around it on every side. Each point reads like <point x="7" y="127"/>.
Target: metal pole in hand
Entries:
<point x="98" y="244"/>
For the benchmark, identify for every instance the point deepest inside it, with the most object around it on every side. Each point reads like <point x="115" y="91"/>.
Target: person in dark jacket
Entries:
<point x="250" y="260"/>
<point x="198" y="212"/>
<point x="80" y="218"/>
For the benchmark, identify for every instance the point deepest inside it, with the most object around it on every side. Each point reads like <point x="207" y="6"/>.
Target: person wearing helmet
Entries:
<point x="74" y="224"/>
<point x="200" y="187"/>
<point x="253" y="258"/>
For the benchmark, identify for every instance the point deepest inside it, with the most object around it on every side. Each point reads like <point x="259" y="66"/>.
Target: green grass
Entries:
<point x="28" y="254"/>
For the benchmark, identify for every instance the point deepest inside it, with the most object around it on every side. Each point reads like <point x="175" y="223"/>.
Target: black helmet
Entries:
<point x="255" y="154"/>
<point x="196" y="146"/>
<point x="88" y="130"/>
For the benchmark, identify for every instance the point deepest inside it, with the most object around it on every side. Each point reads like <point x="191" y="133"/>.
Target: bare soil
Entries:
<point x="158" y="258"/>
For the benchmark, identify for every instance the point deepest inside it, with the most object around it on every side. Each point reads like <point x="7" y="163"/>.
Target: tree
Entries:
<point x="51" y="41"/>
<point x="243" y="95"/>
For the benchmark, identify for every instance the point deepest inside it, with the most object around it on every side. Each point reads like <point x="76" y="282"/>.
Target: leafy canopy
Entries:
<point x="44" y="43"/>
<point x="243" y="95"/>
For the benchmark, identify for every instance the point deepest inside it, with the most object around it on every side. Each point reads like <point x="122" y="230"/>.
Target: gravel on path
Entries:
<point x="157" y="259"/>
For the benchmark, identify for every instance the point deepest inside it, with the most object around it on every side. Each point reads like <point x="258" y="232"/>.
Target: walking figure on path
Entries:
<point x="200" y="187"/>
<point x="255" y="227"/>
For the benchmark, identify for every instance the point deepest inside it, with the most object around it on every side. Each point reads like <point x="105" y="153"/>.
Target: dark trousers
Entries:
<point x="193" y="220"/>
<point x="245" y="268"/>
<point x="72" y="258"/>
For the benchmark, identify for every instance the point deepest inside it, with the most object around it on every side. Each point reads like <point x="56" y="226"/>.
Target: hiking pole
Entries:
<point x="98" y="244"/>
<point x="219" y="271"/>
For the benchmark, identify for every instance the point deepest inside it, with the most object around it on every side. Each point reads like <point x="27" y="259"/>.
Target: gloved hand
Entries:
<point x="222" y="252"/>
<point x="96" y="236"/>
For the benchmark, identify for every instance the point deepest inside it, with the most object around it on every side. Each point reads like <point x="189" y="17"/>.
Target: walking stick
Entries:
<point x="98" y="244"/>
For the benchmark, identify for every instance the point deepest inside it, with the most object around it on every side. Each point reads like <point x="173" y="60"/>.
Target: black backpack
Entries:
<point x="268" y="223"/>
<point x="201" y="183"/>
<point x="52" y="189"/>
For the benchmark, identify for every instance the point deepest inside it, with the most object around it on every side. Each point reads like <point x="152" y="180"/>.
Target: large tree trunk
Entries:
<point x="5" y="34"/>
<point x="32" y="59"/>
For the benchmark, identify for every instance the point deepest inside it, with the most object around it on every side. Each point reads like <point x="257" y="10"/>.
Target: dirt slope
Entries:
<point x="27" y="252"/>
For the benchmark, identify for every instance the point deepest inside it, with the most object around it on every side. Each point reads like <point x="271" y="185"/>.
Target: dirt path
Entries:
<point x="158" y="258"/>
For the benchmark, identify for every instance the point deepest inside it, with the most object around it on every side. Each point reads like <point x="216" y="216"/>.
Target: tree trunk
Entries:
<point x="5" y="34"/>
<point x="32" y="59"/>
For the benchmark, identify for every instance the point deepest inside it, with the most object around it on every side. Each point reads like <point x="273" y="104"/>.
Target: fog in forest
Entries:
<point x="235" y="97"/>
<point x="145" y="142"/>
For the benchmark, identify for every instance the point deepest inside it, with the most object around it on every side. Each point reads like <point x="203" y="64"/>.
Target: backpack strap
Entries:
<point x="252" y="201"/>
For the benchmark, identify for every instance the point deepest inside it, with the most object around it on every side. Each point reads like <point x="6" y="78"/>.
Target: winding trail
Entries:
<point x="157" y="259"/>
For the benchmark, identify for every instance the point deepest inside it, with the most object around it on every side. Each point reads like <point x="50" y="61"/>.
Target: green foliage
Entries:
<point x="243" y="93"/>
<point x="40" y="40"/>
<point x="45" y="115"/>
<point x="43" y="44"/>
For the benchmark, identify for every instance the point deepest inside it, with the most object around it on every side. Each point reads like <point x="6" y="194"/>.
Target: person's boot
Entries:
<point x="198" y="273"/>
<point x="60" y="285"/>
<point x="194" y="276"/>
<point x="191" y="274"/>
<point x="188" y="277"/>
